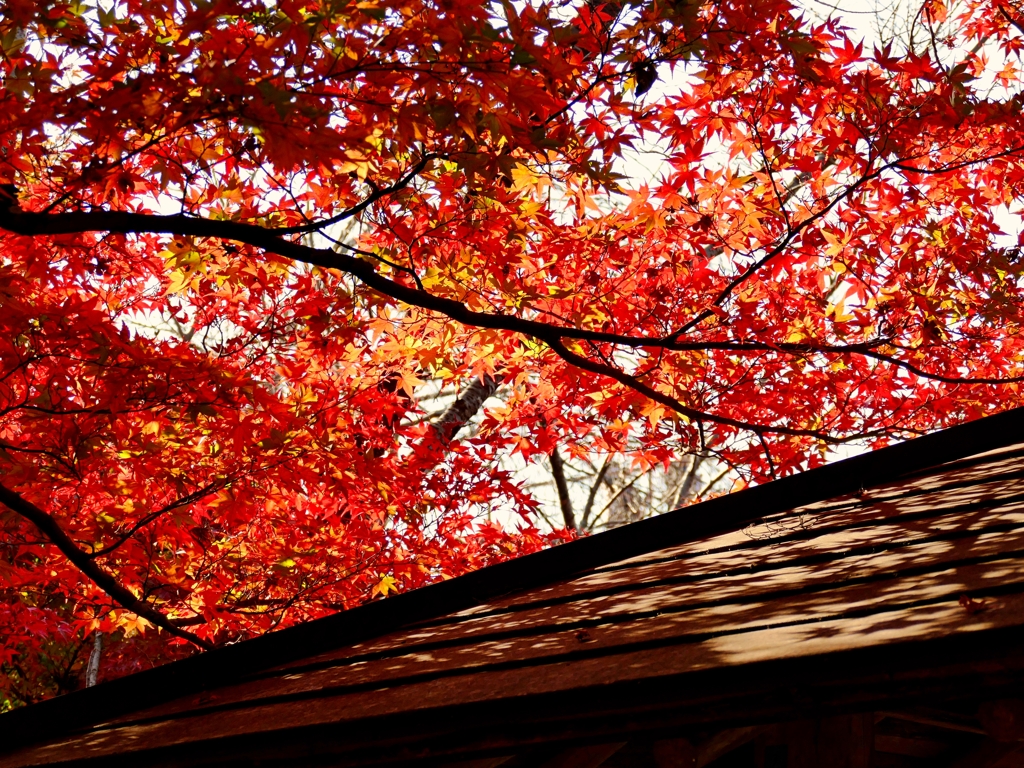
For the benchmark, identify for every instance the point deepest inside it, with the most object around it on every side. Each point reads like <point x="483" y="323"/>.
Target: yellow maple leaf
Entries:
<point x="385" y="585"/>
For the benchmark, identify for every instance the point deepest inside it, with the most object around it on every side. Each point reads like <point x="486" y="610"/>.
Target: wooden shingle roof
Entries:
<point x="888" y="580"/>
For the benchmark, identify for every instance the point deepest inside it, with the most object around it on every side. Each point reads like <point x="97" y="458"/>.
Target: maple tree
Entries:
<point x="242" y="242"/>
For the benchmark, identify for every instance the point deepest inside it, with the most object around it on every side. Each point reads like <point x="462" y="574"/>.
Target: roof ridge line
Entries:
<point x="81" y="709"/>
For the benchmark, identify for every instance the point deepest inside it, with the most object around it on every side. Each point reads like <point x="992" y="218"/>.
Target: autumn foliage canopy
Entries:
<point x="240" y="241"/>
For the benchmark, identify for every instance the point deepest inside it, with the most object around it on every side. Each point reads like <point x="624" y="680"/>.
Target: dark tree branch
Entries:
<point x="35" y="224"/>
<point x="691" y="413"/>
<point x="370" y="199"/>
<point x="77" y="222"/>
<point x="683" y="491"/>
<point x="793" y="231"/>
<point x="146" y="520"/>
<point x="81" y="560"/>
<point x="768" y="455"/>
<point x="934" y="376"/>
<point x="558" y="471"/>
<point x="713" y="482"/>
<point x="1016" y="24"/>
<point x="465" y="407"/>
<point x="592" y="496"/>
<point x="618" y="494"/>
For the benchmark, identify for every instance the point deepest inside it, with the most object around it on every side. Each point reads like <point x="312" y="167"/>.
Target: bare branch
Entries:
<point x="592" y="496"/>
<point x="558" y="471"/>
<point x="684" y="488"/>
<point x="618" y="493"/>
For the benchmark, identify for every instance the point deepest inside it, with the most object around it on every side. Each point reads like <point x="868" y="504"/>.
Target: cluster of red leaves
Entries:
<point x="238" y="239"/>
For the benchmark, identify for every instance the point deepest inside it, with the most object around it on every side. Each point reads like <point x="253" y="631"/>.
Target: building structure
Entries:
<point x="867" y="613"/>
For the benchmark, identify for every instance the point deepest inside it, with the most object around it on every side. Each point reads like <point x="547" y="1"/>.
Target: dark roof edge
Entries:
<point x="80" y="709"/>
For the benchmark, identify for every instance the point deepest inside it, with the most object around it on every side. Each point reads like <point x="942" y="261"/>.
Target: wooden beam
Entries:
<point x="1003" y="719"/>
<point x="1012" y="759"/>
<point x="934" y="718"/>
<point x="674" y="753"/>
<point x="843" y="741"/>
<point x="483" y="762"/>
<point x="909" y="746"/>
<point x="589" y="756"/>
<point x="723" y="742"/>
<point x="991" y="754"/>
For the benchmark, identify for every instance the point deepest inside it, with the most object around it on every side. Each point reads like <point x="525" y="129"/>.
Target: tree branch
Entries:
<point x="618" y="494"/>
<point x="81" y="560"/>
<point x="370" y="199"/>
<point x="558" y="471"/>
<point x="691" y="413"/>
<point x="594" y="488"/>
<point x="76" y="222"/>
<point x="713" y="482"/>
<point x="123" y="222"/>
<point x="793" y="231"/>
<point x="146" y="520"/>
<point x="684" y="488"/>
<point x="1016" y="24"/>
<point x="465" y="407"/>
